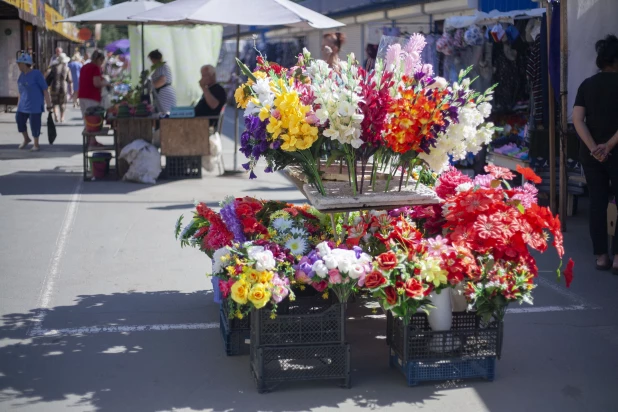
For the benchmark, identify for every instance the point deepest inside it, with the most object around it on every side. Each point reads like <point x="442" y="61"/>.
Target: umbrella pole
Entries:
<point x="236" y="106"/>
<point x="143" y="51"/>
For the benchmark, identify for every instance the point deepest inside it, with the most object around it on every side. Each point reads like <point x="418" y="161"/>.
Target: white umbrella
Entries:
<point x="117" y="15"/>
<point x="237" y="13"/>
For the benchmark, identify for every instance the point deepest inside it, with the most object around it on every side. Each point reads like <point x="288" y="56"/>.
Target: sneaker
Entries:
<point x="35" y="149"/>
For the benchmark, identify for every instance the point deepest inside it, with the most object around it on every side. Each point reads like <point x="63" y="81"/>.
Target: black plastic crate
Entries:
<point x="234" y="323"/>
<point x="468" y="350"/>
<point x="235" y="340"/>
<point x="301" y="322"/>
<point x="272" y="365"/>
<point x="183" y="167"/>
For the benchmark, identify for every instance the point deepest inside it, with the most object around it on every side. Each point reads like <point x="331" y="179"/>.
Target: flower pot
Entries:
<point x="440" y="319"/>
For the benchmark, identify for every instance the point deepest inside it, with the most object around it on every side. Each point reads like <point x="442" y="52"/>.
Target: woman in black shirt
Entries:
<point x="595" y="116"/>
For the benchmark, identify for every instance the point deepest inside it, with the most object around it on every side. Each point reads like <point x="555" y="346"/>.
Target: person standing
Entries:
<point x="90" y="84"/>
<point x="61" y="85"/>
<point x="165" y="95"/>
<point x="75" y="66"/>
<point x="56" y="57"/>
<point x="595" y="117"/>
<point x="331" y="45"/>
<point x="32" y="94"/>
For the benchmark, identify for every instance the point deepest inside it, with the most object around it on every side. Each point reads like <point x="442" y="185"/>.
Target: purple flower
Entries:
<point x="268" y="169"/>
<point x="253" y="142"/>
<point x="228" y="214"/>
<point x="252" y="175"/>
<point x="357" y="251"/>
<point x="313" y="256"/>
<point x="246" y="166"/>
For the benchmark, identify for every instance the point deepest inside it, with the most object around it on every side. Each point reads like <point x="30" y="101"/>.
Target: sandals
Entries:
<point x="607" y="266"/>
<point x="24" y="144"/>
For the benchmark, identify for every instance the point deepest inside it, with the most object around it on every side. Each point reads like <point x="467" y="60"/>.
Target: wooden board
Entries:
<point x="185" y="137"/>
<point x="128" y="130"/>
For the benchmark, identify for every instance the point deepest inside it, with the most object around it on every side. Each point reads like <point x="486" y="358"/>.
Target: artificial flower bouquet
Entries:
<point x="396" y="117"/>
<point x="299" y="228"/>
<point x="253" y="275"/>
<point x="206" y="231"/>
<point x="341" y="270"/>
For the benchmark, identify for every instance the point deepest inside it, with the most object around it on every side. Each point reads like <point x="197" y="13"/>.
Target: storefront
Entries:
<point x="32" y="26"/>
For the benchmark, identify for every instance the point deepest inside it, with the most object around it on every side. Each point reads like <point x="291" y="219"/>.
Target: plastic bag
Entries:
<point x="51" y="129"/>
<point x="209" y="162"/>
<point x="144" y="162"/>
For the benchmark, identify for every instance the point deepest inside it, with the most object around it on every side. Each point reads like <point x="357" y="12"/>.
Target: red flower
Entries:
<point x="391" y="295"/>
<point x="528" y="174"/>
<point x="224" y="287"/>
<point x="499" y="172"/>
<point x="387" y="260"/>
<point x="320" y="286"/>
<point x="374" y="280"/>
<point x="414" y="288"/>
<point x="568" y="273"/>
<point x="448" y="182"/>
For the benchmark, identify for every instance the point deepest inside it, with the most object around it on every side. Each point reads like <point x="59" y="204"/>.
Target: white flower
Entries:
<point x="281" y="224"/>
<point x="323" y="249"/>
<point x="265" y="261"/>
<point x="330" y="261"/>
<point x="464" y="187"/>
<point x="219" y="258"/>
<point x="320" y="269"/>
<point x="344" y="265"/>
<point x="253" y="251"/>
<point x="356" y="271"/>
<point x="297" y="245"/>
<point x="485" y="109"/>
<point x="364" y="258"/>
<point x="298" y="231"/>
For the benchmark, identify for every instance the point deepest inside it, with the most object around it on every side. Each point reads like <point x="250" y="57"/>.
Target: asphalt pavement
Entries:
<point x="101" y="310"/>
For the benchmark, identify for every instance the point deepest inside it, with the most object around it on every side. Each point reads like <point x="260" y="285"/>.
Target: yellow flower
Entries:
<point x="259" y="296"/>
<point x="265" y="277"/>
<point x="241" y="96"/>
<point x="325" y="295"/>
<point x="432" y="272"/>
<point x="259" y="75"/>
<point x="251" y="275"/>
<point x="239" y="314"/>
<point x="273" y="315"/>
<point x="240" y="292"/>
<point x="265" y="112"/>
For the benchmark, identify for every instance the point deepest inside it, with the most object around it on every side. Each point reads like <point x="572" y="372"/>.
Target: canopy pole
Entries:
<point x="237" y="71"/>
<point x="143" y="51"/>
<point x="564" y="61"/>
<point x="552" y="126"/>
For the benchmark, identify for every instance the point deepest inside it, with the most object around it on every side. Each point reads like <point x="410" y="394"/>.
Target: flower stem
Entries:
<point x="419" y="177"/>
<point x="403" y="169"/>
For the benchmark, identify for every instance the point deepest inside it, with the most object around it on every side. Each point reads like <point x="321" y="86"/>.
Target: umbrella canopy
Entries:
<point x="122" y="44"/>
<point x="237" y="12"/>
<point x="118" y="14"/>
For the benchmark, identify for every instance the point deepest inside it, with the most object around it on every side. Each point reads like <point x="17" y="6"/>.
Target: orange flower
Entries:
<point x="528" y="174"/>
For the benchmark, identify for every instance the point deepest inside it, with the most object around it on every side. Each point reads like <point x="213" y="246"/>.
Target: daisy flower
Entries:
<point x="281" y="224"/>
<point x="297" y="231"/>
<point x="297" y="246"/>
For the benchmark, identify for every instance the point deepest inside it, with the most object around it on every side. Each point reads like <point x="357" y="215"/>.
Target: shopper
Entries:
<point x="165" y="95"/>
<point x="56" y="57"/>
<point x="331" y="45"/>
<point x="61" y="85"/>
<point x="214" y="96"/>
<point x="75" y="66"/>
<point x="32" y="94"/>
<point x="90" y="84"/>
<point x="595" y="116"/>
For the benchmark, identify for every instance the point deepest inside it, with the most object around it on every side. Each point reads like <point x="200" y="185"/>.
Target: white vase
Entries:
<point x="458" y="299"/>
<point x="440" y="319"/>
<point x="441" y="316"/>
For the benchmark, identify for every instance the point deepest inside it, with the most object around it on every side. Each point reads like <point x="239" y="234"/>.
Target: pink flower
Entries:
<point x="334" y="276"/>
<point x="448" y="182"/>
<point x="437" y="246"/>
<point x="393" y="55"/>
<point x="320" y="286"/>
<point x="526" y="194"/>
<point x="301" y="277"/>
<point x="483" y="180"/>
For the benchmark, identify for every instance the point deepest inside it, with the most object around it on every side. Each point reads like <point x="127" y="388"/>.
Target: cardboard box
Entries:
<point x="185" y="137"/>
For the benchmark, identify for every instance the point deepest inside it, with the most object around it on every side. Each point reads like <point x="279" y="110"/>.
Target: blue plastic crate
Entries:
<point x="235" y="341"/>
<point x="216" y="291"/>
<point x="443" y="370"/>
<point x="184" y="112"/>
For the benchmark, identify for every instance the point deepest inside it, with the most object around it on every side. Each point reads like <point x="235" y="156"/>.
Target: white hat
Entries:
<point x="64" y="58"/>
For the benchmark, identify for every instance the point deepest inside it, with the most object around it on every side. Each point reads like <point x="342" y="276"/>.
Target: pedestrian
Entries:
<point x="75" y="66"/>
<point x="213" y="95"/>
<point x="595" y="116"/>
<point x="61" y="85"/>
<point x="165" y="95"/>
<point x="91" y="82"/>
<point x="32" y="94"/>
<point x="372" y="53"/>
<point x="56" y="57"/>
<point x="331" y="45"/>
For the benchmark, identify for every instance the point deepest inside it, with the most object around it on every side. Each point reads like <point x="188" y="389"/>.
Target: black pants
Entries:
<point x="598" y="178"/>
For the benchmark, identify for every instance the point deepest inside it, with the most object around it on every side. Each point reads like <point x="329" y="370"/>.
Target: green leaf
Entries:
<point x="520" y="207"/>
<point x="245" y="70"/>
<point x="178" y="226"/>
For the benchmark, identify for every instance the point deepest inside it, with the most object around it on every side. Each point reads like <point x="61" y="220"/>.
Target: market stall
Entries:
<point x="441" y="253"/>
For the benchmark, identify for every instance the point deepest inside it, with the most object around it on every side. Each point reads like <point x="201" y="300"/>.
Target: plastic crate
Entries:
<point x="183" y="167"/>
<point x="301" y="322"/>
<point x="235" y="341"/>
<point x="184" y="112"/>
<point x="234" y="323"/>
<point x="273" y="365"/>
<point x="447" y="369"/>
<point x="468" y="350"/>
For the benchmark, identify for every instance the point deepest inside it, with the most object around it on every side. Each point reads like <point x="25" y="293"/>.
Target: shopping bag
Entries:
<point x="51" y="129"/>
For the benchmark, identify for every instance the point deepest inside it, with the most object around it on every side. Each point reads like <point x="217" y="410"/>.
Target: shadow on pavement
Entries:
<point x="164" y="370"/>
<point x="10" y="151"/>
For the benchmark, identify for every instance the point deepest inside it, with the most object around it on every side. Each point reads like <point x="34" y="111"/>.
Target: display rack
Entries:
<point x="87" y="150"/>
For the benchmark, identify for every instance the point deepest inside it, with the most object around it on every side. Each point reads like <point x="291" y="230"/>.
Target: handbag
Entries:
<point x="51" y="129"/>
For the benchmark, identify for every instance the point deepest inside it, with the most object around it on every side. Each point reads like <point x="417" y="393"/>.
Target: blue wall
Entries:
<point x="507" y="5"/>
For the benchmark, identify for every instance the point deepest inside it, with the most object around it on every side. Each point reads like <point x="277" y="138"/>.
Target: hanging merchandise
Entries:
<point x="473" y="36"/>
<point x="497" y="33"/>
<point x="512" y="33"/>
<point x="458" y="39"/>
<point x="445" y="44"/>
